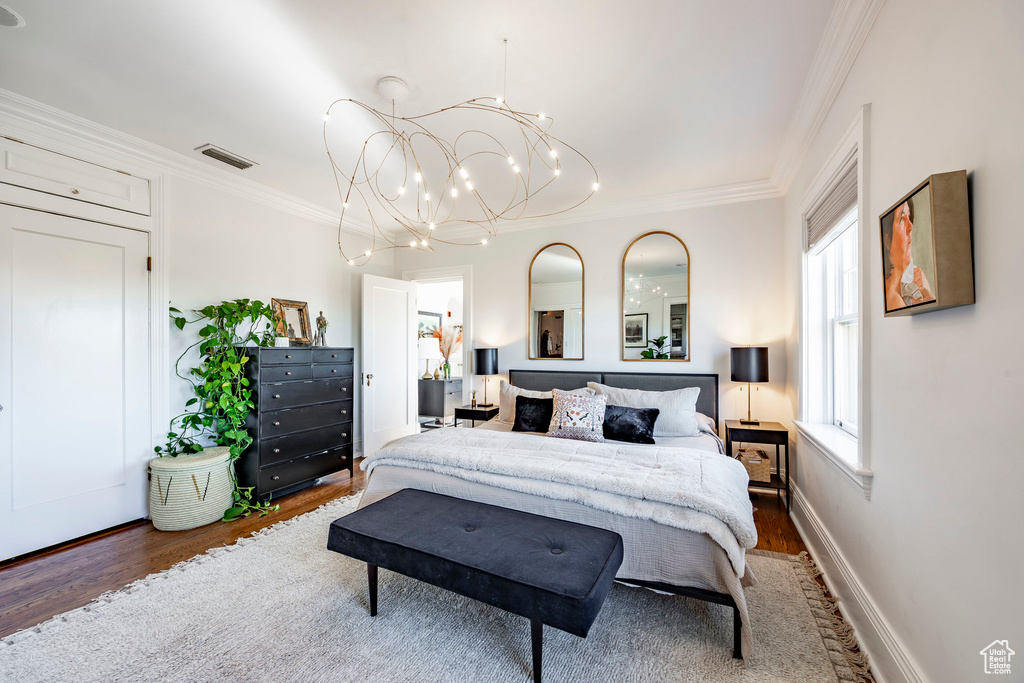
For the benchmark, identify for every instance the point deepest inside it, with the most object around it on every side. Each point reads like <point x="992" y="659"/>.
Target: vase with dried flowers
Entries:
<point x="450" y="339"/>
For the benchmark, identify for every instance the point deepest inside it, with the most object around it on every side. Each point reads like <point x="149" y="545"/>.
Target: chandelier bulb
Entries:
<point x="367" y="252"/>
<point x="469" y="186"/>
<point x="483" y="241"/>
<point x="553" y="153"/>
<point x="510" y="160"/>
<point x="455" y="192"/>
<point x="516" y="169"/>
<point x="419" y="177"/>
<point x="423" y="242"/>
<point x="540" y="117"/>
<point x="413" y="243"/>
<point x="344" y="205"/>
<point x="401" y="190"/>
<point x="558" y="171"/>
<point x="498" y="101"/>
<point x="595" y="187"/>
<point x="432" y="226"/>
<point x="327" y="117"/>
<point x="464" y="173"/>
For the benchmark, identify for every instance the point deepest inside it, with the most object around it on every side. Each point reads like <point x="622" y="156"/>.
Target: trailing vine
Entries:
<point x="222" y="400"/>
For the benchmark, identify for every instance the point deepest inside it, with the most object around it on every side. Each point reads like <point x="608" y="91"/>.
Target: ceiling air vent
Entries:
<point x="226" y="157"/>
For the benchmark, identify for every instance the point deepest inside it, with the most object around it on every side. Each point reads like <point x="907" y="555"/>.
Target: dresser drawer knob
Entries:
<point x="74" y="190"/>
<point x="344" y="435"/>
<point x="344" y="412"/>
<point x="333" y="370"/>
<point x="277" y="395"/>
<point x="334" y="355"/>
<point x="277" y="450"/>
<point x="344" y="388"/>
<point x="275" y="477"/>
<point x="288" y="373"/>
<point x="277" y="424"/>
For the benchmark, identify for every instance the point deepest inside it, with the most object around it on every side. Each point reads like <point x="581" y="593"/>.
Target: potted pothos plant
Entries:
<point x="658" y="352"/>
<point x="222" y="400"/>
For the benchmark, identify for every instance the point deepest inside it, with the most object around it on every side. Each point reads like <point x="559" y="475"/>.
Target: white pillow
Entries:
<point x="507" y="399"/>
<point x="678" y="416"/>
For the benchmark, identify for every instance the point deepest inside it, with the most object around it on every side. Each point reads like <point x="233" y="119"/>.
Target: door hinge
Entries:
<point x="149" y="263"/>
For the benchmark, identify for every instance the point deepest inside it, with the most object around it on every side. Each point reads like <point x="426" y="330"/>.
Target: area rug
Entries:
<point x="278" y="606"/>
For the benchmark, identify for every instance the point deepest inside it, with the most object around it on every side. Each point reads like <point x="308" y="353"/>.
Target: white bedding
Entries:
<point x="707" y="441"/>
<point x="684" y="488"/>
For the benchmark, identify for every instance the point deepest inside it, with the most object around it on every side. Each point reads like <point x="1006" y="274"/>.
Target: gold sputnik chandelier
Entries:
<point x="415" y="186"/>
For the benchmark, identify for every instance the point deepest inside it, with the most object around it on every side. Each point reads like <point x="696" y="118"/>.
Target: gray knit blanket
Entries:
<point x="680" y="487"/>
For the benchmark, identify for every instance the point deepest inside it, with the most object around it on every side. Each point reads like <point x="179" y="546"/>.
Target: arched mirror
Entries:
<point x="556" y="304"/>
<point x="656" y="299"/>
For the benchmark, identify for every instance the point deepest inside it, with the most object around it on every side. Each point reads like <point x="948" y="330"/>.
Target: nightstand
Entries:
<point x="475" y="413"/>
<point x="764" y="433"/>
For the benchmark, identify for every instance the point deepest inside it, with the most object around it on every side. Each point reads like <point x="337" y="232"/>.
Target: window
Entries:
<point x="832" y="272"/>
<point x="831" y="313"/>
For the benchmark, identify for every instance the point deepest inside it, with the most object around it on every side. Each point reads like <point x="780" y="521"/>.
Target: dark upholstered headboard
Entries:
<point x="545" y="380"/>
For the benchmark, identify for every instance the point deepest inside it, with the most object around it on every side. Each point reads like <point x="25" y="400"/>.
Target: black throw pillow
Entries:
<point x="635" y="425"/>
<point x="533" y="414"/>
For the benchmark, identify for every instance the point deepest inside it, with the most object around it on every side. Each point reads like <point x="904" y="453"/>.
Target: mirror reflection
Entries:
<point x="556" y="304"/>
<point x="656" y="299"/>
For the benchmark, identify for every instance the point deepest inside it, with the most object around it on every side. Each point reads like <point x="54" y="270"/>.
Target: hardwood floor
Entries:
<point x="39" y="586"/>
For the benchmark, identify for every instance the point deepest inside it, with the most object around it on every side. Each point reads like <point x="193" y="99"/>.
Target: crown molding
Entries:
<point x="40" y="124"/>
<point x="638" y="206"/>
<point x="847" y="29"/>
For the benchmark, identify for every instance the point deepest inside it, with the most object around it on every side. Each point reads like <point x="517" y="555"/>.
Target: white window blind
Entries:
<point x="837" y="204"/>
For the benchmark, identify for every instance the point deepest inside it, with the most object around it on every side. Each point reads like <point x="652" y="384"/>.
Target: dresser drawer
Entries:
<point x="285" y="356"/>
<point x="332" y="355"/>
<point x="284" y="373"/>
<point x="333" y="370"/>
<point x="275" y="396"/>
<point x="280" y="422"/>
<point x="304" y="443"/>
<point x="453" y="386"/>
<point x="303" y="469"/>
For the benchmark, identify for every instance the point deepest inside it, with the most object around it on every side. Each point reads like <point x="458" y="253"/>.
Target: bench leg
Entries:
<point x="737" y="626"/>
<point x="371" y="574"/>
<point x="537" y="640"/>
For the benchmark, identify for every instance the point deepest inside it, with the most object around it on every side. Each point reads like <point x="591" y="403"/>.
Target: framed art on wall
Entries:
<point x="293" y="320"/>
<point x="927" y="262"/>
<point x="635" y="330"/>
<point x="426" y="323"/>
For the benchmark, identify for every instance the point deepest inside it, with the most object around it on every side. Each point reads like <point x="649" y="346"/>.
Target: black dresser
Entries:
<point x="302" y="424"/>
<point x="440" y="397"/>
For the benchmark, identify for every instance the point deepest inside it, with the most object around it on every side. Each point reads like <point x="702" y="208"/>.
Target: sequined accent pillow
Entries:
<point x="577" y="417"/>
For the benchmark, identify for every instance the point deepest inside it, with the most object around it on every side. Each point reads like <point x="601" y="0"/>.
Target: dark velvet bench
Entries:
<point x="550" y="571"/>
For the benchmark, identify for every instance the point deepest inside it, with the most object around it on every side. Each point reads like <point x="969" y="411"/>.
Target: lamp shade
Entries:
<point x="486" y="361"/>
<point x="750" y="364"/>
<point x="429" y="348"/>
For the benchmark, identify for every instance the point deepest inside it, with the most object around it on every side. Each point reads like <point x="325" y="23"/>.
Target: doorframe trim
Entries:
<point x="449" y="274"/>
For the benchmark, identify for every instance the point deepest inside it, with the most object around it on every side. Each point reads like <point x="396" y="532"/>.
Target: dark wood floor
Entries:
<point x="37" y="587"/>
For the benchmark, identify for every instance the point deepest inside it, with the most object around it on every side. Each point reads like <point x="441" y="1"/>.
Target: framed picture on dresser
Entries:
<point x="293" y="320"/>
<point x="635" y="330"/>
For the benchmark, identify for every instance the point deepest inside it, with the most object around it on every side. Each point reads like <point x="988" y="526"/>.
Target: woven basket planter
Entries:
<point x="188" y="491"/>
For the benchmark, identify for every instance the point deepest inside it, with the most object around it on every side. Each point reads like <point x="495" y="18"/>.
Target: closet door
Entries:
<point x="74" y="378"/>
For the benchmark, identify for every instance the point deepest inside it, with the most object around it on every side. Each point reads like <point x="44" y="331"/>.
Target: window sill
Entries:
<point x="840" y="450"/>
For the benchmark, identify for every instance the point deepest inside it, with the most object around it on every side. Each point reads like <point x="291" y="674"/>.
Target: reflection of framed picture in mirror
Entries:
<point x="635" y="330"/>
<point x="293" y="319"/>
<point x="427" y="322"/>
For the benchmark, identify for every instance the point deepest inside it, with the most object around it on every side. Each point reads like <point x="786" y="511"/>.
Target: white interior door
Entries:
<point x="389" y="361"/>
<point x="74" y="378"/>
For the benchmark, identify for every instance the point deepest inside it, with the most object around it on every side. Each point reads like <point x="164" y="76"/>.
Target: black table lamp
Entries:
<point x="750" y="364"/>
<point x="486" y="364"/>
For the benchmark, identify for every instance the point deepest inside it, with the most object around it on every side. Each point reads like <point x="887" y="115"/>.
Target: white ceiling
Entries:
<point x="663" y="96"/>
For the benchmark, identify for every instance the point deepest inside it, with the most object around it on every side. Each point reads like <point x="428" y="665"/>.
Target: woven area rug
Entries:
<point x="279" y="606"/>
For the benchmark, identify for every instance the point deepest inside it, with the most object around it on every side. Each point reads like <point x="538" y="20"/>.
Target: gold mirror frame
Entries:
<point x="622" y="303"/>
<point x="529" y="302"/>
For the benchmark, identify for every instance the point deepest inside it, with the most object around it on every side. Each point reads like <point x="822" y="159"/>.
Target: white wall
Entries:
<point x="935" y="555"/>
<point x="736" y="292"/>
<point x="221" y="246"/>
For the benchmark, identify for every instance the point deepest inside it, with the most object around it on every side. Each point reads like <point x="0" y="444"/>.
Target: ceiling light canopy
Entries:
<point x="502" y="158"/>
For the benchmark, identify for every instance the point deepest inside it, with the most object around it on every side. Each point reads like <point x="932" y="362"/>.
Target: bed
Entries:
<point x="703" y="562"/>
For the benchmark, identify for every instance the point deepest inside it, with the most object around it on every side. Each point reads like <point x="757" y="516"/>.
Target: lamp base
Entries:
<point x="750" y="422"/>
<point x="484" y="405"/>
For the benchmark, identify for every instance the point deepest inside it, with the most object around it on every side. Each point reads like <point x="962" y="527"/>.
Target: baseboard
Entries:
<point x="890" y="662"/>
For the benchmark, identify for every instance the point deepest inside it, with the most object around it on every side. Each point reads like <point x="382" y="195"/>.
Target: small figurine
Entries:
<point x="320" y="338"/>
